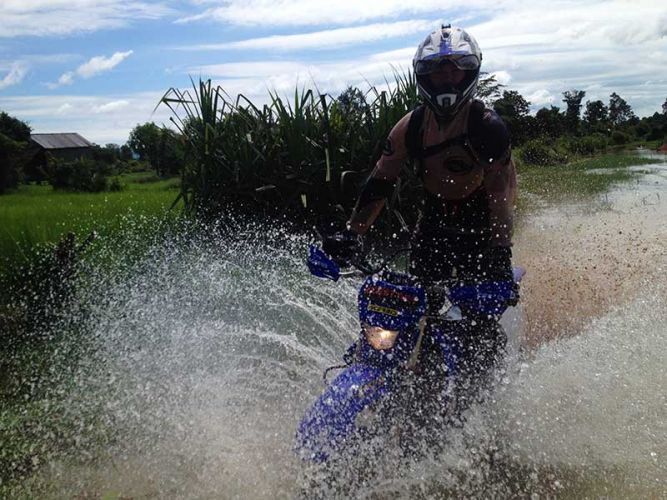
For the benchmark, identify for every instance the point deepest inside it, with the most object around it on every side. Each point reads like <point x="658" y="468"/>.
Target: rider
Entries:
<point x="462" y="150"/>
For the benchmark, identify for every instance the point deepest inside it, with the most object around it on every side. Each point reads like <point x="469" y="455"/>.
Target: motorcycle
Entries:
<point x="407" y="356"/>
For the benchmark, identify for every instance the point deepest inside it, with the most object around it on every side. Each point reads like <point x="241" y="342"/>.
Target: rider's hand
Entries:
<point x="497" y="264"/>
<point x="497" y="267"/>
<point x="343" y="247"/>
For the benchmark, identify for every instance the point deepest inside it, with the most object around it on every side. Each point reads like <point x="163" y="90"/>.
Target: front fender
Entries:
<point x="331" y="420"/>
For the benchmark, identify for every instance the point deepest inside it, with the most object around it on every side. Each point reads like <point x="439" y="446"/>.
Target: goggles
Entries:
<point x="466" y="62"/>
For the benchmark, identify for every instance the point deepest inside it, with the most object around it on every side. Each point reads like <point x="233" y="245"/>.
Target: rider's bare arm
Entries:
<point x="500" y="187"/>
<point x="381" y="182"/>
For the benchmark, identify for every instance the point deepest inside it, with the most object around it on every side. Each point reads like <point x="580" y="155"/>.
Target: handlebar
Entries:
<point x="489" y="297"/>
<point x="323" y="266"/>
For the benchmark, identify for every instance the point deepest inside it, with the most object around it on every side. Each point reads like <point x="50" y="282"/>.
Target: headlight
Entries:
<point x="379" y="338"/>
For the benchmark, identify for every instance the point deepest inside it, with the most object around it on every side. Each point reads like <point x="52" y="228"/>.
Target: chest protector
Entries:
<point x="459" y="155"/>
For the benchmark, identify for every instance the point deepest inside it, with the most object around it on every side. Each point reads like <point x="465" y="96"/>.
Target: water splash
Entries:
<point x="198" y="359"/>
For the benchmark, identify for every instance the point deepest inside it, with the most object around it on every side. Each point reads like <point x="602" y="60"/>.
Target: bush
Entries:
<point x="79" y="175"/>
<point x="115" y="185"/>
<point x="587" y="145"/>
<point x="542" y="152"/>
<point x="131" y="166"/>
<point x="619" y="138"/>
<point x="10" y="168"/>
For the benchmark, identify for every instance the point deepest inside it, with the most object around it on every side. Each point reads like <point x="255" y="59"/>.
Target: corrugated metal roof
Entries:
<point x="60" y="141"/>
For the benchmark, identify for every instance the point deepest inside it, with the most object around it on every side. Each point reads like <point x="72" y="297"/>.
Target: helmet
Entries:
<point x="447" y="46"/>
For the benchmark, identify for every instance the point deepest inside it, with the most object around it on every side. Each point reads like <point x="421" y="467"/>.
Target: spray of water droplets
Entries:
<point x="196" y="361"/>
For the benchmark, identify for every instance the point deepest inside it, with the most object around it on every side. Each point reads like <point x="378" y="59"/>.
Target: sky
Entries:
<point x="100" y="67"/>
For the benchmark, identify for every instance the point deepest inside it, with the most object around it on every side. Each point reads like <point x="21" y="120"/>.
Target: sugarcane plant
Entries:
<point x="285" y="156"/>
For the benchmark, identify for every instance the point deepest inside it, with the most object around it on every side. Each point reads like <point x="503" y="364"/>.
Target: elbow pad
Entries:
<point x="375" y="189"/>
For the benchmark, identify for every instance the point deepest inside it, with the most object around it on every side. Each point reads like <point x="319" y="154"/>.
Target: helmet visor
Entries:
<point x="465" y="62"/>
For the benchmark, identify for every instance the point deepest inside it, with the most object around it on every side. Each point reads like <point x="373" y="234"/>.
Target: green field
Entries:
<point x="583" y="177"/>
<point x="36" y="214"/>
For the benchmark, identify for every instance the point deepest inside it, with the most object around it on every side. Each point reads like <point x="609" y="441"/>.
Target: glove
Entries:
<point x="496" y="267"/>
<point x="343" y="247"/>
<point x="497" y="264"/>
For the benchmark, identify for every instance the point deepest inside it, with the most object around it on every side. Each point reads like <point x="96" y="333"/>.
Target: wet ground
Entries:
<point x="585" y="257"/>
<point x="207" y="358"/>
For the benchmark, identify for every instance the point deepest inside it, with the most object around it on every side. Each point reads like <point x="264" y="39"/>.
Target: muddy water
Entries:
<point x="207" y="356"/>
<point x="586" y="257"/>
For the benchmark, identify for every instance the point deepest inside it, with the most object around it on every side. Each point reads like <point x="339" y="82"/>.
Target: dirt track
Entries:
<point x="584" y="258"/>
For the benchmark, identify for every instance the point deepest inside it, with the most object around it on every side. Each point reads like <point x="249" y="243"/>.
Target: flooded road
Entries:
<point x="585" y="257"/>
<point x="206" y="357"/>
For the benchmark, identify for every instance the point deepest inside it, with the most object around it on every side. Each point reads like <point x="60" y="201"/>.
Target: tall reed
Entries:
<point x="284" y="156"/>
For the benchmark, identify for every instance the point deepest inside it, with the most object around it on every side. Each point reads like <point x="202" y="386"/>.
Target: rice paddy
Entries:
<point x="36" y="215"/>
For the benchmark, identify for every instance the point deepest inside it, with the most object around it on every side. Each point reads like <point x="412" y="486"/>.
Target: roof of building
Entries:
<point x="60" y="141"/>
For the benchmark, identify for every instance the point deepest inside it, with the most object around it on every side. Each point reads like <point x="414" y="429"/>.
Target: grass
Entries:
<point x="580" y="178"/>
<point x="36" y="214"/>
<point x="32" y="218"/>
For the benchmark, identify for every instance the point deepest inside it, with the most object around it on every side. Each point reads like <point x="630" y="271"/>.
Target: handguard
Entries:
<point x="489" y="297"/>
<point x="321" y="265"/>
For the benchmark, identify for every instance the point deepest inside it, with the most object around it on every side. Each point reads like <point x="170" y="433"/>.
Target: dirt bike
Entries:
<point x="407" y="356"/>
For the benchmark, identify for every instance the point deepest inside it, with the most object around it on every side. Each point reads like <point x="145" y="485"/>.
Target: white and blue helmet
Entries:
<point x="447" y="45"/>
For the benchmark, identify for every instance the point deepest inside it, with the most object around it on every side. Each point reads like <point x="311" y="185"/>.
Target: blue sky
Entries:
<point x="99" y="67"/>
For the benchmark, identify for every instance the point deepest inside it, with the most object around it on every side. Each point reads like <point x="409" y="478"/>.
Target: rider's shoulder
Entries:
<point x="402" y="124"/>
<point x="487" y="131"/>
<point x="485" y="120"/>
<point x="396" y="142"/>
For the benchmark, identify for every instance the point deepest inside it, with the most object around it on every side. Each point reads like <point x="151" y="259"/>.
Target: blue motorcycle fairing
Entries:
<point x="391" y="306"/>
<point x="321" y="265"/>
<point x="447" y="350"/>
<point x="331" y="420"/>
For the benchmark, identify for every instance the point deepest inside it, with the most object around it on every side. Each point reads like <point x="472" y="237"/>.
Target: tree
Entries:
<point x="13" y="128"/>
<point x="550" y="122"/>
<point x="170" y="153"/>
<point x="125" y="152"/>
<point x="352" y="100"/>
<point x="513" y="109"/>
<point x="572" y="99"/>
<point x="159" y="146"/>
<point x="14" y="138"/>
<point x="109" y="153"/>
<point x="620" y="111"/>
<point x="664" y="107"/>
<point x="489" y="89"/>
<point x="595" y="113"/>
<point x="144" y="140"/>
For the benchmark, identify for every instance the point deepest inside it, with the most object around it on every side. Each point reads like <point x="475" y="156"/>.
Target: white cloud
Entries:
<point x="100" y="64"/>
<point x="328" y="39"/>
<point x="314" y="12"/>
<point x="502" y="77"/>
<point x="75" y="113"/>
<point x="62" y="17"/>
<point x="540" y="98"/>
<point x="601" y="46"/>
<point x="405" y="54"/>
<point x="95" y="66"/>
<point x="66" y="78"/>
<point x="17" y="72"/>
<point x="64" y="109"/>
<point x="545" y="46"/>
<point x="111" y="106"/>
<point x="258" y="70"/>
<point x="254" y="79"/>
